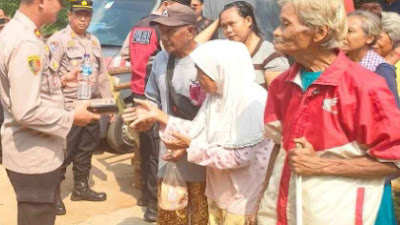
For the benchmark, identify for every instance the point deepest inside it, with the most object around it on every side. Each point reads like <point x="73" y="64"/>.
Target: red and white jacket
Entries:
<point x="346" y="113"/>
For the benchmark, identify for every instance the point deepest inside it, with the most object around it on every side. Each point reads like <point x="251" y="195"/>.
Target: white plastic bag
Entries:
<point x="174" y="193"/>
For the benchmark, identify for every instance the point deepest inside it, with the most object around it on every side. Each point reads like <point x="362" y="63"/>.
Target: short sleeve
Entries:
<point x="375" y="125"/>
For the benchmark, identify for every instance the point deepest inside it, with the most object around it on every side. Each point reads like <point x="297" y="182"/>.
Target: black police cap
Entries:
<point x="81" y="5"/>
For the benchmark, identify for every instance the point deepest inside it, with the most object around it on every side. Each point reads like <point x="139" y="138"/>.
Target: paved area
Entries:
<point x="111" y="173"/>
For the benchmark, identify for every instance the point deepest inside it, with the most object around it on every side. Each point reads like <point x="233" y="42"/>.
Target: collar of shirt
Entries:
<point x="74" y="35"/>
<point x="330" y="76"/>
<point x="371" y="60"/>
<point x="22" y="18"/>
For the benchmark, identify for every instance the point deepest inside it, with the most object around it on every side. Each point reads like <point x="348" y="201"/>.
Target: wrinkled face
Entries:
<point x="383" y="45"/>
<point x="197" y="7"/>
<point x="175" y="39"/>
<point x="205" y="82"/>
<point x="356" y="37"/>
<point x="234" y="26"/>
<point x="291" y="37"/>
<point x="80" y="20"/>
<point x="50" y="9"/>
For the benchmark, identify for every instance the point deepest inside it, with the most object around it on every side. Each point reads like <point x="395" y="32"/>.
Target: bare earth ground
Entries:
<point x="110" y="173"/>
<point x="113" y="174"/>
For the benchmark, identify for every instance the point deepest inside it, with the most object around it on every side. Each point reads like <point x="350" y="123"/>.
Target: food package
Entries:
<point x="174" y="193"/>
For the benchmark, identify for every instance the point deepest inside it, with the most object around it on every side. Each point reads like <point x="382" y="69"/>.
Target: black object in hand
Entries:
<point x="103" y="106"/>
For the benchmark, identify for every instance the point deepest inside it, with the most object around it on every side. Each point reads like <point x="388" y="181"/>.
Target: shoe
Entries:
<point x="82" y="192"/>
<point x="142" y="201"/>
<point x="60" y="207"/>
<point x="150" y="215"/>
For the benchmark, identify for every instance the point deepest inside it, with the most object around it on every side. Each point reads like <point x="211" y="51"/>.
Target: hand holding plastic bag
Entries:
<point x="174" y="193"/>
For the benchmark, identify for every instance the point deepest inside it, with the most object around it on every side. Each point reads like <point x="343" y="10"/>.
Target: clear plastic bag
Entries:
<point x="174" y="193"/>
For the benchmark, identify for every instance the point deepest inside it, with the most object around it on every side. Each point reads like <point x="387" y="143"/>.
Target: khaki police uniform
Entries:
<point x="36" y="123"/>
<point x="67" y="52"/>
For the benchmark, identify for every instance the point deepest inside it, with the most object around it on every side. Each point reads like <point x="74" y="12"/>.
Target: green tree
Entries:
<point x="11" y="6"/>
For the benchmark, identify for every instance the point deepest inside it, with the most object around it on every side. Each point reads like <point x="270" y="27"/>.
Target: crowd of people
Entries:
<point x="254" y="138"/>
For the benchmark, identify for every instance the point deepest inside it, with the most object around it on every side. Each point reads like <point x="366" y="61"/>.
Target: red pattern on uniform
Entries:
<point x="140" y="54"/>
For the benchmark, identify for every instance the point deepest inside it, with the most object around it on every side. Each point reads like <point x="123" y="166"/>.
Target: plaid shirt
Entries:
<point x="372" y="60"/>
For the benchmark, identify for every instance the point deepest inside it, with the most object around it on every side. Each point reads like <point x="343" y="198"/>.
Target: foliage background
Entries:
<point x="11" y="6"/>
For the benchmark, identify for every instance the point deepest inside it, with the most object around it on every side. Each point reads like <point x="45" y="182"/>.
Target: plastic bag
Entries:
<point x="174" y="193"/>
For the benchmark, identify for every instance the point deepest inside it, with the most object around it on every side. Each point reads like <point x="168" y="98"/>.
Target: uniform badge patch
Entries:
<point x="94" y="43"/>
<point x="55" y="65"/>
<point x="34" y="64"/>
<point x="46" y="48"/>
<point x="142" y="37"/>
<point x="53" y="46"/>
<point x="71" y="43"/>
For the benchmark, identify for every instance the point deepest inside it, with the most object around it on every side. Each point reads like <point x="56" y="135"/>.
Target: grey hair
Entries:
<point x="371" y="23"/>
<point x="319" y="13"/>
<point x="391" y="26"/>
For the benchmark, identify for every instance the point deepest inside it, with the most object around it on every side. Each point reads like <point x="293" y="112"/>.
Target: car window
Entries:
<point x="112" y="20"/>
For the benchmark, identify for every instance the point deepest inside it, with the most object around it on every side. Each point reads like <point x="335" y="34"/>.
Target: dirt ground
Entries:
<point x="111" y="173"/>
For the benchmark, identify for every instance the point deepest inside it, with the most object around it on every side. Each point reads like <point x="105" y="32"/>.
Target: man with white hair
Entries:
<point x="332" y="119"/>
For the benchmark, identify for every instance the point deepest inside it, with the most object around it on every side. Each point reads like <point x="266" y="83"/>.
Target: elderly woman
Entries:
<point x="363" y="32"/>
<point x="238" y="23"/>
<point x="333" y="119"/>
<point x="227" y="134"/>
<point x="388" y="44"/>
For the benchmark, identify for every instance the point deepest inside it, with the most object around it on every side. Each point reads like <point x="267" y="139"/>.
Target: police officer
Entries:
<point x="36" y="123"/>
<point x="3" y="21"/>
<point x="68" y="48"/>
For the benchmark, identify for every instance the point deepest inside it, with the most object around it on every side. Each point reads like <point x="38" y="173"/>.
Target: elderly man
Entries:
<point x="333" y="121"/>
<point x="172" y="75"/>
<point x="142" y="45"/>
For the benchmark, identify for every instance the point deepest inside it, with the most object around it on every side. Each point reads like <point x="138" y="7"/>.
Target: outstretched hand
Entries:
<point x="142" y="117"/>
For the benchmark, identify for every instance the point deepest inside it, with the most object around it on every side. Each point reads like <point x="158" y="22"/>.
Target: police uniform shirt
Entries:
<point x="67" y="51"/>
<point x="36" y="124"/>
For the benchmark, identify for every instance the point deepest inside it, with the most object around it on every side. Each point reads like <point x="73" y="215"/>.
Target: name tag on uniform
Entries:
<point x="142" y="37"/>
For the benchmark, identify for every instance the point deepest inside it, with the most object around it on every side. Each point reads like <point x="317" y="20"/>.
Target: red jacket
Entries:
<point x="144" y="43"/>
<point x="347" y="112"/>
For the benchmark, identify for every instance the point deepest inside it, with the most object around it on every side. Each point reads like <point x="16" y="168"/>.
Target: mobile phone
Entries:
<point x="103" y="106"/>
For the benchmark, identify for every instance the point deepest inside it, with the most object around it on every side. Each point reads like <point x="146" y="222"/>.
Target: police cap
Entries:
<point x="81" y="5"/>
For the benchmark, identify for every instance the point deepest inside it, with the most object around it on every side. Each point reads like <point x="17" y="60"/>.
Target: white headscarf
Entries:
<point x="234" y="117"/>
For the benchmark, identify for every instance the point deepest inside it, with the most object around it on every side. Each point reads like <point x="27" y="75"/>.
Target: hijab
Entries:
<point x="234" y="116"/>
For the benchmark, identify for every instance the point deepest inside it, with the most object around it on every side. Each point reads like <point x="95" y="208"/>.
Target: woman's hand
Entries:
<point x="180" y="142"/>
<point x="174" y="156"/>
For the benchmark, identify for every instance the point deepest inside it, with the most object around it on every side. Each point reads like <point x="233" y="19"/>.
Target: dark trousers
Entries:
<point x="149" y="148"/>
<point x="81" y="144"/>
<point x="35" y="195"/>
